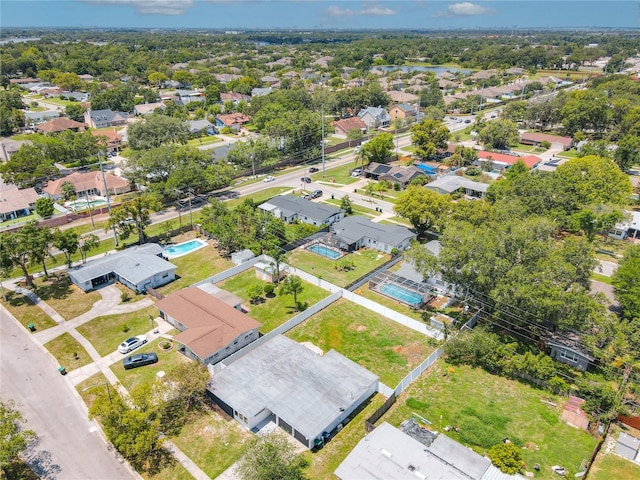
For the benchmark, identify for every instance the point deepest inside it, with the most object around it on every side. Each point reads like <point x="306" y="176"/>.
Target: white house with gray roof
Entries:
<point x="375" y="117"/>
<point x="356" y="232"/>
<point x="137" y="268"/>
<point x="104" y="118"/>
<point x="290" y="208"/>
<point x="303" y="392"/>
<point x="454" y="183"/>
<point x="199" y="126"/>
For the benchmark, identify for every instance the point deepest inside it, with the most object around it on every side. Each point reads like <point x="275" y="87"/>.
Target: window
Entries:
<point x="569" y="355"/>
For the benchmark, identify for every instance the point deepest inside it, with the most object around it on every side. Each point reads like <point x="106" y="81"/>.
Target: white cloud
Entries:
<point x="150" y="7"/>
<point x="371" y="10"/>
<point x="465" y="9"/>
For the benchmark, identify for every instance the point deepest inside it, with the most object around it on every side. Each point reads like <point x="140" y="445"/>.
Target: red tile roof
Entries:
<point x="85" y="181"/>
<point x="529" y="160"/>
<point x="541" y="137"/>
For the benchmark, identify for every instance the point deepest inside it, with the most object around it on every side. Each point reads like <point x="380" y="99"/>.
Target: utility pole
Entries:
<point x="190" y="191"/>
<point x="106" y="189"/>
<point x="86" y="196"/>
<point x="322" y="114"/>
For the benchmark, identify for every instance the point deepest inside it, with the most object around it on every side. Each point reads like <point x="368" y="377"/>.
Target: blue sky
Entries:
<point x="320" y="14"/>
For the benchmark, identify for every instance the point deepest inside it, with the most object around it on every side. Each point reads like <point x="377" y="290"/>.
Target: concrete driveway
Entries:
<point x="70" y="447"/>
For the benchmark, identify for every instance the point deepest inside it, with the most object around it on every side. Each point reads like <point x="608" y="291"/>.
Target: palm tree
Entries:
<point x="292" y="285"/>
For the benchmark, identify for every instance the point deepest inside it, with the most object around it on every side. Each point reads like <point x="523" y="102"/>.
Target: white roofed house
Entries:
<point x="629" y="229"/>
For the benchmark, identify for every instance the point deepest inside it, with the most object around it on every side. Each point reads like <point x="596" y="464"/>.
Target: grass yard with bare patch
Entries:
<point x="380" y="345"/>
<point x="26" y="312"/>
<point x="64" y="297"/>
<point x="107" y="332"/>
<point x="364" y="260"/>
<point x="271" y="312"/>
<point x="488" y="408"/>
<point x="68" y="351"/>
<point x="213" y="442"/>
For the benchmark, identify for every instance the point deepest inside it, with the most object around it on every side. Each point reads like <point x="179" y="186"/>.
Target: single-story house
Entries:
<point x="232" y="120"/>
<point x="627" y="446"/>
<point x="390" y="453"/>
<point x="187" y="96"/>
<point x="234" y="97"/>
<point x="76" y="96"/>
<point x="59" y="125"/>
<point x="260" y="92"/>
<point x="629" y="229"/>
<point x="104" y="118"/>
<point x="87" y="183"/>
<point x="137" y="268"/>
<point x="502" y="160"/>
<point x="375" y="117"/>
<point x="15" y="202"/>
<point x="284" y="382"/>
<point x="402" y="110"/>
<point x="453" y="183"/>
<point x="392" y="174"/>
<point x="402" y="97"/>
<point x="199" y="126"/>
<point x="345" y="125"/>
<point x="290" y="208"/>
<point x="515" y="71"/>
<point x="567" y="348"/>
<point x="51" y="92"/>
<point x="556" y="141"/>
<point x="8" y="147"/>
<point x="34" y="118"/>
<point x="147" y="108"/>
<point x="210" y="329"/>
<point x="112" y="138"/>
<point x="227" y="77"/>
<point x="357" y="231"/>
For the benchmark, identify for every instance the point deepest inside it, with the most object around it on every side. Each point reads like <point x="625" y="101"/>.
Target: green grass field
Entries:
<point x="259" y="197"/>
<point x="357" y="209"/>
<point x="64" y="297"/>
<point x="384" y="347"/>
<point x="68" y="351"/>
<point x="340" y="175"/>
<point x="612" y="467"/>
<point x="131" y="379"/>
<point x="271" y="312"/>
<point x="364" y="260"/>
<point x="488" y="408"/>
<point x="107" y="332"/>
<point x="26" y="312"/>
<point x="208" y="140"/>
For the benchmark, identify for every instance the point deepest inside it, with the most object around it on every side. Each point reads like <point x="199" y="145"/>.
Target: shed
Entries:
<point x="627" y="446"/>
<point x="238" y="258"/>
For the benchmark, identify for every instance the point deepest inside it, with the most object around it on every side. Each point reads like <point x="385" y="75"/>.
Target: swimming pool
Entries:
<point x="402" y="294"/>
<point x="183" y="248"/>
<point x="325" y="251"/>
<point x="82" y="204"/>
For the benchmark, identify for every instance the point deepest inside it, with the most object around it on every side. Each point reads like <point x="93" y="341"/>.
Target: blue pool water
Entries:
<point x="399" y="293"/>
<point x="183" y="248"/>
<point x="325" y="251"/>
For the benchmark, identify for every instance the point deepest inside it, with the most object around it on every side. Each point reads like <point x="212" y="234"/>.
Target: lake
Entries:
<point x="436" y="69"/>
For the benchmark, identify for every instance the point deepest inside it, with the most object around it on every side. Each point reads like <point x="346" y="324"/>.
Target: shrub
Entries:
<point x="124" y="296"/>
<point x="125" y="328"/>
<point x="545" y="144"/>
<point x="268" y="289"/>
<point x="507" y="457"/>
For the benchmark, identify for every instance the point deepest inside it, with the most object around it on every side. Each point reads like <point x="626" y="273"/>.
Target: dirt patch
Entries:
<point x="361" y="328"/>
<point x="412" y="352"/>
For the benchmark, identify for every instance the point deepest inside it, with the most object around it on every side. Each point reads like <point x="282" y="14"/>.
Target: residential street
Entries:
<point x="70" y="447"/>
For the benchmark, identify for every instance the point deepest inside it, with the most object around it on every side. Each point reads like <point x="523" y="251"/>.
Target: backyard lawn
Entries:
<point x="357" y="209"/>
<point x="68" y="351"/>
<point x="63" y="296"/>
<point x="26" y="312"/>
<point x="214" y="443"/>
<point x="194" y="267"/>
<point x="271" y="312"/>
<point x="488" y="408"/>
<point x="609" y="466"/>
<point x="107" y="332"/>
<point x="136" y="377"/>
<point x="380" y="345"/>
<point x="364" y="261"/>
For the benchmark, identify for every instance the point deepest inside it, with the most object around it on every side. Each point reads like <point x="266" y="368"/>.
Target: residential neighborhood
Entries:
<point x="320" y="254"/>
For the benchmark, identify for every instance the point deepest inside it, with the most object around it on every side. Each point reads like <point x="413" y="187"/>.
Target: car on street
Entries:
<point x="313" y="170"/>
<point x="316" y="194"/>
<point x="268" y="179"/>
<point x="305" y="180"/>
<point x="459" y="120"/>
<point x="132" y="343"/>
<point x="357" y="149"/>
<point x="139" y="360"/>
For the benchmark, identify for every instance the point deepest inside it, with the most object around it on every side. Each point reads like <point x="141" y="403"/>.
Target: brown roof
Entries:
<point x="350" y="123"/>
<point x="12" y="199"/>
<point x="541" y="137"/>
<point x="234" y="119"/>
<point x="59" y="124"/>
<point x="211" y="323"/>
<point x="85" y="181"/>
<point x="113" y="137"/>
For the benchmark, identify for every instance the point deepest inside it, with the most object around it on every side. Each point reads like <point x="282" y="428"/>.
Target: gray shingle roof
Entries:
<point x="451" y="183"/>
<point x="352" y="229"/>
<point x="290" y="205"/>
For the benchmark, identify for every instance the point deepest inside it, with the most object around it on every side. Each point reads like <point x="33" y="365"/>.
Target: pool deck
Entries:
<point x="202" y="244"/>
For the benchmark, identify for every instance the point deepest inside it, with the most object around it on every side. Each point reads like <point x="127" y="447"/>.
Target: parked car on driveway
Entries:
<point x="357" y="172"/>
<point x="132" y="343"/>
<point x="316" y="193"/>
<point x="269" y="179"/>
<point x="305" y="180"/>
<point x="139" y="360"/>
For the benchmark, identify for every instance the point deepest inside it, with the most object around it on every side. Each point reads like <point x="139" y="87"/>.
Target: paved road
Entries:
<point x="70" y="446"/>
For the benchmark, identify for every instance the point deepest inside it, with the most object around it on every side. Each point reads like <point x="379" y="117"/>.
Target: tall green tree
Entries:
<point x="626" y="281"/>
<point x="67" y="242"/>
<point x="429" y="136"/>
<point x="269" y="457"/>
<point x="44" y="207"/>
<point x="134" y="216"/>
<point x="378" y="149"/>
<point x="14" y="439"/>
<point x="157" y="130"/>
<point x="424" y="208"/>
<point x="292" y="285"/>
<point x="499" y="134"/>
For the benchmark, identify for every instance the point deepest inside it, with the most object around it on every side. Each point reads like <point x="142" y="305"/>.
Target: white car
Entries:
<point x="132" y="343"/>
<point x="269" y="179"/>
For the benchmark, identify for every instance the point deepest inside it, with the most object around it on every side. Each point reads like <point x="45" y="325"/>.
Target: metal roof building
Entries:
<point x="285" y="382"/>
